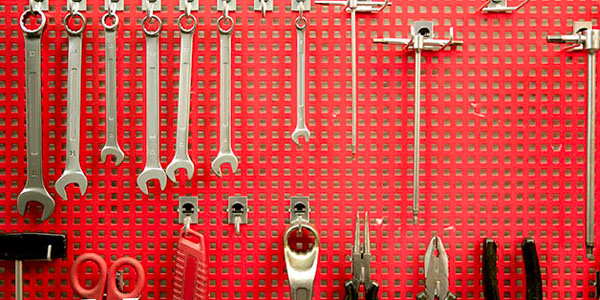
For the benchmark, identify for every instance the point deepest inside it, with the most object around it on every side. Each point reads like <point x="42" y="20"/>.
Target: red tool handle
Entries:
<point x="97" y="292"/>
<point x="113" y="292"/>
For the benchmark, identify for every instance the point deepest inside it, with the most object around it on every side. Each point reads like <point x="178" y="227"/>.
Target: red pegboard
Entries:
<point x="503" y="147"/>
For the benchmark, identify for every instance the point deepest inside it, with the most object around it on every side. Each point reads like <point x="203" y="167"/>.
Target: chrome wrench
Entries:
<point x="35" y="190"/>
<point x="182" y="158"/>
<point x="301" y="130"/>
<point x="73" y="172"/>
<point x="152" y="170"/>
<point x="111" y="147"/>
<point x="225" y="154"/>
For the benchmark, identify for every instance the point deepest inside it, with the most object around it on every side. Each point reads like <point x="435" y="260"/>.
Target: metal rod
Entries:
<point x="591" y="139"/>
<point x="354" y="74"/>
<point x="18" y="279"/>
<point x="417" y="133"/>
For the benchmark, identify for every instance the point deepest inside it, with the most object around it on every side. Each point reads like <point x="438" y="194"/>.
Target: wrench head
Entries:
<point x="36" y="194"/>
<point x="114" y="151"/>
<point x="69" y="177"/>
<point x="178" y="163"/>
<point x="151" y="173"/>
<point x="224" y="158"/>
<point x="300" y="132"/>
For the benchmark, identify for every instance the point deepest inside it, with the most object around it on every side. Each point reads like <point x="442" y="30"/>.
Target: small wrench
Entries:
<point x="35" y="189"/>
<point x="225" y="154"/>
<point x="111" y="147"/>
<point x="301" y="129"/>
<point x="182" y="158"/>
<point x="152" y="170"/>
<point x="73" y="172"/>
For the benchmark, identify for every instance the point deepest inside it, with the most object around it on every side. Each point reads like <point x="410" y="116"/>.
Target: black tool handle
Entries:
<point x="32" y="246"/>
<point x="373" y="291"/>
<point x="490" y="270"/>
<point x="351" y="291"/>
<point x="533" y="275"/>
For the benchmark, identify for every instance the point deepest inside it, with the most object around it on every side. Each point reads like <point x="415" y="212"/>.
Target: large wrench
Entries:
<point x="35" y="189"/>
<point x="72" y="172"/>
<point x="152" y="170"/>
<point x="301" y="129"/>
<point x="182" y="158"/>
<point x="111" y="147"/>
<point x="225" y="154"/>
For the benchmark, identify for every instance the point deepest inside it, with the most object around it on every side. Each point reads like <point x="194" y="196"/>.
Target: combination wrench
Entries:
<point x="152" y="170"/>
<point x="182" y="158"/>
<point x="35" y="190"/>
<point x="111" y="147"/>
<point x="73" y="172"/>
<point x="225" y="154"/>
<point x="301" y="130"/>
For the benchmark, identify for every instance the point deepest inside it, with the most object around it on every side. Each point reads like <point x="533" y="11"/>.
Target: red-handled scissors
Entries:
<point x="107" y="279"/>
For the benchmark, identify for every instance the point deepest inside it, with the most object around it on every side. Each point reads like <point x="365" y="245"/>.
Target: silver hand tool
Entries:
<point x="182" y="158"/>
<point x="436" y="273"/>
<point x="301" y="130"/>
<point x="422" y="38"/>
<point x="500" y="6"/>
<point x="361" y="265"/>
<point x="225" y="154"/>
<point x="588" y="39"/>
<point x="301" y="266"/>
<point x="35" y="190"/>
<point x="73" y="172"/>
<point x="111" y="147"/>
<point x="354" y="6"/>
<point x="152" y="170"/>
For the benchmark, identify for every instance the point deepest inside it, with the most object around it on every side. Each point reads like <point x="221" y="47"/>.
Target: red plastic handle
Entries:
<point x="113" y="292"/>
<point x="97" y="292"/>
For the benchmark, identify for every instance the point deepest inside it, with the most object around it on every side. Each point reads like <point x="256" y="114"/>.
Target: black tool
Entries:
<point x="361" y="266"/>
<point x="30" y="246"/>
<point x="533" y="275"/>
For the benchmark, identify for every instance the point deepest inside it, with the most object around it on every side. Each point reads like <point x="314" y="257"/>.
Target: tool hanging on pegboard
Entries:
<point x="508" y="151"/>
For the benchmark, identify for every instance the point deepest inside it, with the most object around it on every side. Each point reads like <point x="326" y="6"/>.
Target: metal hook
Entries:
<point x="499" y="6"/>
<point x="450" y="40"/>
<point x="187" y="221"/>
<point x="49" y="253"/>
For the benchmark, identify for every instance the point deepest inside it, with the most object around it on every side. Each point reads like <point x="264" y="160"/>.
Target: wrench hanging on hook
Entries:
<point x="182" y="160"/>
<point x="300" y="23"/>
<point x="422" y="38"/>
<point x="73" y="172"/>
<point x="354" y="6"/>
<point x="225" y="26"/>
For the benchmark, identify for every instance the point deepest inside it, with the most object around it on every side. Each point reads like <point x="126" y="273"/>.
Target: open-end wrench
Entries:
<point x="73" y="172"/>
<point x="225" y="154"/>
<point x="152" y="170"/>
<point x="182" y="158"/>
<point x="111" y="147"/>
<point x="301" y="130"/>
<point x="35" y="189"/>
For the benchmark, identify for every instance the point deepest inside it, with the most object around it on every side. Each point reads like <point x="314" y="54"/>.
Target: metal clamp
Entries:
<point x="188" y="208"/>
<point x="237" y="210"/>
<point x="38" y="5"/>
<point x="151" y="5"/>
<point x="188" y="5"/>
<point x="118" y="5"/>
<point x="75" y="6"/>
<point x="422" y="38"/>
<point x="500" y="6"/>
<point x="263" y="6"/>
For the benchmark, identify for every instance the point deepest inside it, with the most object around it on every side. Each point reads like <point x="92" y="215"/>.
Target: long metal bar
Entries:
<point x="590" y="155"/>
<point x="417" y="133"/>
<point x="18" y="279"/>
<point x="354" y="74"/>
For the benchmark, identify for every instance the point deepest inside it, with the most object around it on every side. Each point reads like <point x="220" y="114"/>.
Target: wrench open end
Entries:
<point x="150" y="174"/>
<point x="300" y="132"/>
<point x="222" y="159"/>
<point x="69" y="177"/>
<point x="114" y="151"/>
<point x="176" y="164"/>
<point x="39" y="195"/>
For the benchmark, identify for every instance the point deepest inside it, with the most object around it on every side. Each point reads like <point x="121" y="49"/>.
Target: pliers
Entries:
<point x="436" y="273"/>
<point x="361" y="266"/>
